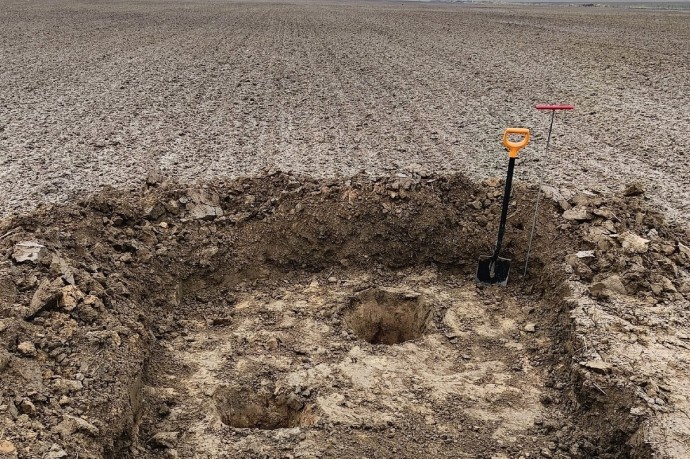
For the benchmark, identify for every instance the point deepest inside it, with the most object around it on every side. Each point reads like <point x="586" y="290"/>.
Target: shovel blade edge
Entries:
<point x="501" y="270"/>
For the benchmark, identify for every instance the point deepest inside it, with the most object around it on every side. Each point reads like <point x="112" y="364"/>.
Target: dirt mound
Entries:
<point x="264" y="317"/>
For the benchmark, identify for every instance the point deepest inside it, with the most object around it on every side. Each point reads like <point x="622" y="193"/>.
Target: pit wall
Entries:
<point x="133" y="257"/>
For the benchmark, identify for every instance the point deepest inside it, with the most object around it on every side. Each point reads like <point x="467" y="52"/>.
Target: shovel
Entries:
<point x="494" y="269"/>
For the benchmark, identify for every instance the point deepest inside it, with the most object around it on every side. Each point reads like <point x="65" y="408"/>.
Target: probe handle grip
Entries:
<point x="554" y="107"/>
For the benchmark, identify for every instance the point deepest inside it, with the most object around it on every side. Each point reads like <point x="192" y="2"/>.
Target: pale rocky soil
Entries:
<point x="98" y="93"/>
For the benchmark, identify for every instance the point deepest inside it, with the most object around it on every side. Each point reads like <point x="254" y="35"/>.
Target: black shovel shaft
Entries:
<point x="504" y="210"/>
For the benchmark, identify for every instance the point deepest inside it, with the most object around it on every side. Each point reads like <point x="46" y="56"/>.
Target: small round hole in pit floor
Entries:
<point x="387" y="316"/>
<point x="249" y="408"/>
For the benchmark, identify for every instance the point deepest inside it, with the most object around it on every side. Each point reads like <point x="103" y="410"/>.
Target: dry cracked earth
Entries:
<point x="167" y="292"/>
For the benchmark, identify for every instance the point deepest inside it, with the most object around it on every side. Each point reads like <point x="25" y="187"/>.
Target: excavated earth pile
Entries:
<point x="285" y="317"/>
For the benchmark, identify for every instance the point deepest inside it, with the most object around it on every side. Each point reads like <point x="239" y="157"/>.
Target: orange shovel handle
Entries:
<point x="514" y="147"/>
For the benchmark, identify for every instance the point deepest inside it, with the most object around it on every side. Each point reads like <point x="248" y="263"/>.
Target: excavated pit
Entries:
<point x="383" y="316"/>
<point x="245" y="408"/>
<point x="237" y="320"/>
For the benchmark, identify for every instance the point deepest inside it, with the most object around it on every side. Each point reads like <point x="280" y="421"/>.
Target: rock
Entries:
<point x="72" y="424"/>
<point x="632" y="243"/>
<point x="477" y="205"/>
<point x="70" y="297"/>
<point x="599" y="291"/>
<point x="578" y="213"/>
<point x="29" y="251"/>
<point x="154" y="178"/>
<point x="598" y="366"/>
<point x="65" y="386"/>
<point x="4" y="359"/>
<point x="154" y="210"/>
<point x="667" y="285"/>
<point x="564" y="205"/>
<point x="585" y="254"/>
<point x="530" y="328"/>
<point x="579" y="267"/>
<point x="273" y="343"/>
<point x="47" y="296"/>
<point x="7" y="449"/>
<point x="204" y="205"/>
<point x="27" y="348"/>
<point x="682" y="248"/>
<point x="637" y="411"/>
<point x="604" y="213"/>
<point x="684" y="287"/>
<point x="634" y="189"/>
<point x="615" y="284"/>
<point x="583" y="198"/>
<point x="164" y="439"/>
<point x="492" y="182"/>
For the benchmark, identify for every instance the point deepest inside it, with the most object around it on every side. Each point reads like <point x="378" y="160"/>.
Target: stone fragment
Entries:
<point x="604" y="213"/>
<point x="637" y="411"/>
<point x="583" y="198"/>
<point x="682" y="248"/>
<point x="7" y="449"/>
<point x="579" y="267"/>
<point x="530" y="328"/>
<point x="684" y="287"/>
<point x="204" y="205"/>
<point x="615" y="284"/>
<point x="632" y="243"/>
<point x="634" y="189"/>
<point x="27" y="348"/>
<point x="70" y="297"/>
<point x="30" y="251"/>
<point x="72" y="424"/>
<point x="578" y="213"/>
<point x="493" y="181"/>
<point x="585" y="254"/>
<point x="667" y="285"/>
<point x="65" y="386"/>
<point x="598" y="366"/>
<point x="46" y="296"/>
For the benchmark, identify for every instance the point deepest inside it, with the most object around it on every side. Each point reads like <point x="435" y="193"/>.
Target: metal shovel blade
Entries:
<point x="496" y="274"/>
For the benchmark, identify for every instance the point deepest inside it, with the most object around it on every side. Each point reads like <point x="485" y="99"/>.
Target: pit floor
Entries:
<point x="468" y="387"/>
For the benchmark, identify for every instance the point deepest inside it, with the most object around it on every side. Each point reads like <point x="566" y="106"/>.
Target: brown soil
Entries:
<point x="283" y="316"/>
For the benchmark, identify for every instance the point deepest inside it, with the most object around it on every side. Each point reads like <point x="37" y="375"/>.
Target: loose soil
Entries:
<point x="284" y="316"/>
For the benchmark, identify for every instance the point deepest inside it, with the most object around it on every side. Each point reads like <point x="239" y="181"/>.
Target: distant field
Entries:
<point x="99" y="93"/>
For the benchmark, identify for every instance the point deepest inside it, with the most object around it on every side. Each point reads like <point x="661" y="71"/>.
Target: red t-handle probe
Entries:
<point x="554" y="107"/>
